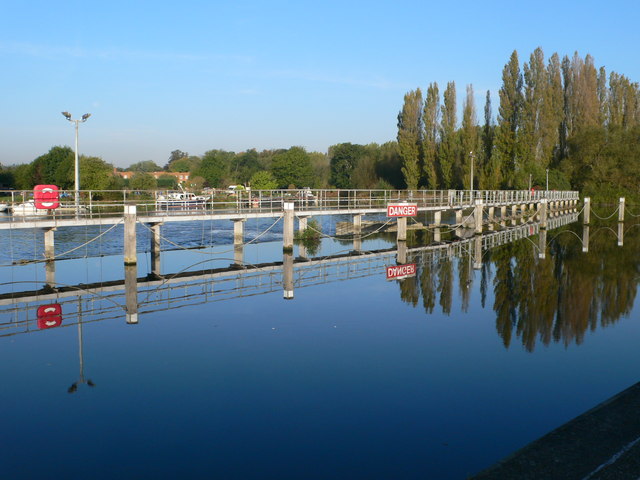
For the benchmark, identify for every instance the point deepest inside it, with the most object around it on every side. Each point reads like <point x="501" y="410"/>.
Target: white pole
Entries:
<point x="77" y="172"/>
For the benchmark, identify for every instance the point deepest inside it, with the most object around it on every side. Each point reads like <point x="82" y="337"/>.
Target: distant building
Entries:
<point x="180" y="176"/>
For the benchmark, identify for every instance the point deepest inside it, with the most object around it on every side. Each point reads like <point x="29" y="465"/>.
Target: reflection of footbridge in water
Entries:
<point x="54" y="306"/>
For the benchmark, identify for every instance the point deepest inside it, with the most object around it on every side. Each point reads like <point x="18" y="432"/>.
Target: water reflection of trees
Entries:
<point x="558" y="298"/>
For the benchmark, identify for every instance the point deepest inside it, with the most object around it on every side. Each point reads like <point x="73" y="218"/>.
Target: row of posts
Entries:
<point x="130" y="253"/>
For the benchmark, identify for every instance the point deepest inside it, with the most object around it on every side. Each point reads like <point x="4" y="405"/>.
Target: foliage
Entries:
<point x="142" y="181"/>
<point x="214" y="167"/>
<point x="410" y="137"/>
<point x="263" y="180"/>
<point x="95" y="173"/>
<point x="168" y="182"/>
<point x="293" y="167"/>
<point x="145" y="166"/>
<point x="309" y="237"/>
<point x="344" y="159"/>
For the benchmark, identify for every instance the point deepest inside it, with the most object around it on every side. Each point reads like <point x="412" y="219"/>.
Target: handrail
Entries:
<point x="109" y="203"/>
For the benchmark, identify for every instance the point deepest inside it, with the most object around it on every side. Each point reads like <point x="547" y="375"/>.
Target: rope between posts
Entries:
<point x="605" y="218"/>
<point x="73" y="249"/>
<point x="222" y="251"/>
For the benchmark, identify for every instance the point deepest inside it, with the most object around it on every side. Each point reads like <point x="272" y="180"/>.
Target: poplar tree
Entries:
<point x="509" y="113"/>
<point x="469" y="140"/>
<point x="553" y="109"/>
<point x="447" y="151"/>
<point x="533" y="112"/>
<point x="431" y="121"/>
<point x="491" y="177"/>
<point x="410" y="137"/>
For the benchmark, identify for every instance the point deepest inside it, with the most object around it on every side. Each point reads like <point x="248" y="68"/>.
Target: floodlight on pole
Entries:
<point x="84" y="118"/>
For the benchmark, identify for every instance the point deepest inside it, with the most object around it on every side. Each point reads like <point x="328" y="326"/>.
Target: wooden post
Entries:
<point x="130" y="255"/>
<point x="586" y="214"/>
<point x="287" y="232"/>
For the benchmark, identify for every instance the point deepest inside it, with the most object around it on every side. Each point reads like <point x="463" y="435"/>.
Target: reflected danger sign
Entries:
<point x="398" y="272"/>
<point x="402" y="210"/>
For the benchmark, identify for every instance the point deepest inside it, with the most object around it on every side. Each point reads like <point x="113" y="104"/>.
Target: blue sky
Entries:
<point x="198" y="75"/>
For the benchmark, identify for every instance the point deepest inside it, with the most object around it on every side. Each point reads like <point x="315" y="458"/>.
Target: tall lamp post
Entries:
<point x="472" y="156"/>
<point x="547" y="181"/>
<point x="84" y="118"/>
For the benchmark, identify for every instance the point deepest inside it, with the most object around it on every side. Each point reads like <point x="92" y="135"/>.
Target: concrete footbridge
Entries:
<point x="152" y="209"/>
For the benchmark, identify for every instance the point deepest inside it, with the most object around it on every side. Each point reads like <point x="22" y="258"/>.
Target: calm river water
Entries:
<point x="435" y="376"/>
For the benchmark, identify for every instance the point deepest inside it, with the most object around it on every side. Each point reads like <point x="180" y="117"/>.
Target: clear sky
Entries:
<point x="198" y="75"/>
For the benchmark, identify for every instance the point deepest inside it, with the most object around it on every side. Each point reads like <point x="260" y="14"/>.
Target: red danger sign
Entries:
<point x="402" y="210"/>
<point x="398" y="272"/>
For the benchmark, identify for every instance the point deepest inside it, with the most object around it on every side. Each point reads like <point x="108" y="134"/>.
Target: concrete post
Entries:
<point x="542" y="245"/>
<point x="543" y="213"/>
<point x="436" y="235"/>
<point x="287" y="275"/>
<point x="50" y="273"/>
<point x="587" y="211"/>
<point x="477" y="255"/>
<point x="238" y="231"/>
<point x="478" y="217"/>
<point x="130" y="255"/>
<point x="131" y="292"/>
<point x="585" y="238"/>
<point x="402" y="229"/>
<point x="437" y="217"/>
<point x="503" y="212"/>
<point x="49" y="243"/>
<point x="458" y="217"/>
<point x="287" y="232"/>
<point x="401" y="257"/>
<point x="620" y="234"/>
<point x="155" y="249"/>
<point x="621" y="210"/>
<point x="302" y="223"/>
<point x="357" y="224"/>
<point x="238" y="256"/>
<point x="491" y="214"/>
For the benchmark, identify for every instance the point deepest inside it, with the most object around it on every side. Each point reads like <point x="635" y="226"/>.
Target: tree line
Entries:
<point x="535" y="299"/>
<point x="561" y="121"/>
<point x="345" y="165"/>
<point x="564" y="118"/>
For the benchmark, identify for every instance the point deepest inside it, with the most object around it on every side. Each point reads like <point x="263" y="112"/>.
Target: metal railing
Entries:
<point x="110" y="203"/>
